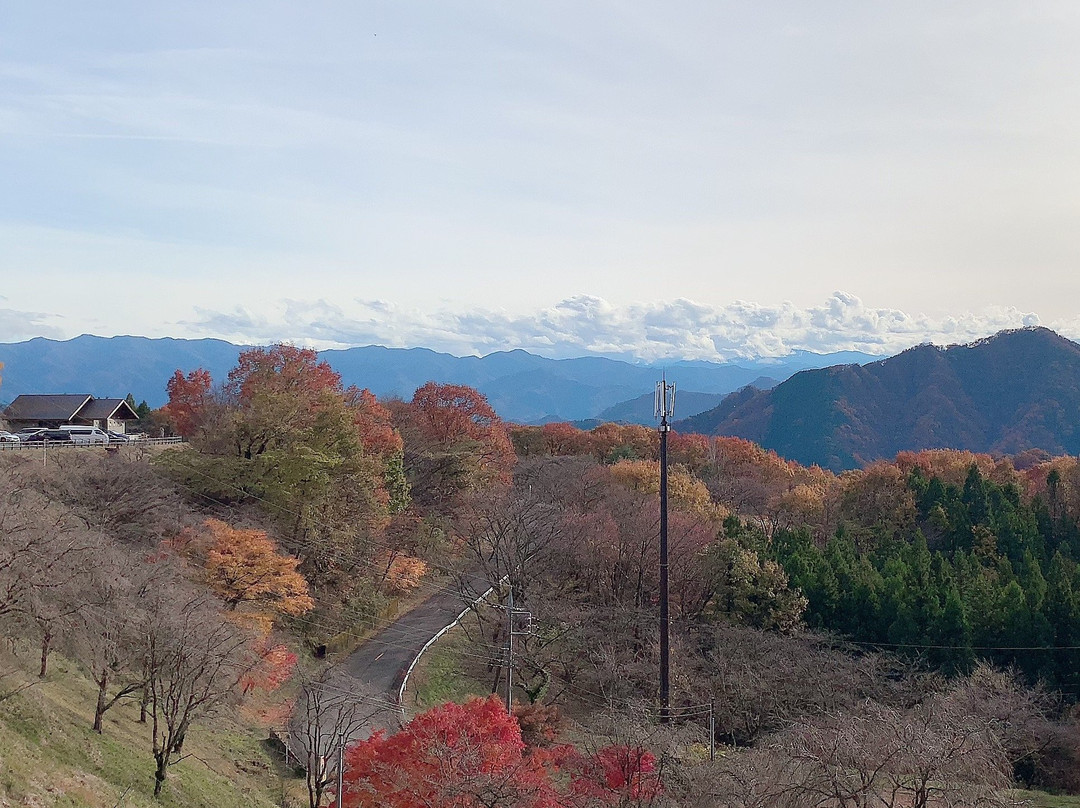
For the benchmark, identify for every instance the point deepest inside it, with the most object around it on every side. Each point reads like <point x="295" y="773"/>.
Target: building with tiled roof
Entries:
<point x="53" y="410"/>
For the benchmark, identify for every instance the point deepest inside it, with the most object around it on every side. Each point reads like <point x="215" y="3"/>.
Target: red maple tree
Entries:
<point x="188" y="396"/>
<point x="472" y="756"/>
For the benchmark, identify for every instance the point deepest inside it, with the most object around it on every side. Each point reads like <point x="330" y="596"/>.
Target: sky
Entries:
<point x="675" y="179"/>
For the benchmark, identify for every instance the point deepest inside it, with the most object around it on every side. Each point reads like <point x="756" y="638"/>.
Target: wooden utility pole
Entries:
<point x="665" y="406"/>
<point x="510" y="651"/>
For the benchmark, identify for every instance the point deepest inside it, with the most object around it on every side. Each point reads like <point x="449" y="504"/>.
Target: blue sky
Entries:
<point x="695" y="179"/>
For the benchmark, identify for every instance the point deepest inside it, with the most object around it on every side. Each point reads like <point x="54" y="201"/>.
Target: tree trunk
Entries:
<point x="143" y="702"/>
<point x="46" y="641"/>
<point x="181" y="734"/>
<point x="162" y="759"/>
<point x="103" y="684"/>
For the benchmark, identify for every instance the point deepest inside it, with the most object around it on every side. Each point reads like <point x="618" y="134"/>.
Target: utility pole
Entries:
<point x="510" y="651"/>
<point x="340" y="799"/>
<point x="712" y="732"/>
<point x="665" y="407"/>
<point x="524" y="628"/>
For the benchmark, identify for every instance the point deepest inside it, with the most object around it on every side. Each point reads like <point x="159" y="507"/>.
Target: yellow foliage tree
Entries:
<point x="686" y="492"/>
<point x="245" y="567"/>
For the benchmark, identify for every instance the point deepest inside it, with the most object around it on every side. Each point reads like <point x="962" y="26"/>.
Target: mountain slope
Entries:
<point x="108" y="366"/>
<point x="1013" y="391"/>
<point x="521" y="386"/>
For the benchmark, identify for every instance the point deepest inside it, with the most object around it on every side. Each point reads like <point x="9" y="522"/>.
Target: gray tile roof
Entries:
<point x="102" y="408"/>
<point x="67" y="408"/>
<point x="45" y="408"/>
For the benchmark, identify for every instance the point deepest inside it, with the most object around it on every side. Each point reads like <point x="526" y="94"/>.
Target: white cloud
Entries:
<point x="673" y="329"/>
<point x="17" y="326"/>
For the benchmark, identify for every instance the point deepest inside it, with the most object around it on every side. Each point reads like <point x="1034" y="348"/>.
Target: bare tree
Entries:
<point x="44" y="552"/>
<point x="111" y="641"/>
<point x="332" y="710"/>
<point x="194" y="661"/>
<point x="121" y="495"/>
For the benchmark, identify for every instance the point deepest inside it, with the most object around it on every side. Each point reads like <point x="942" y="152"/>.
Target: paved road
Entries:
<point x="373" y="673"/>
<point x="380" y="663"/>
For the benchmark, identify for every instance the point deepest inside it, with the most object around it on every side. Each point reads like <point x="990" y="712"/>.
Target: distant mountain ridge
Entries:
<point x="1014" y="391"/>
<point x="521" y="386"/>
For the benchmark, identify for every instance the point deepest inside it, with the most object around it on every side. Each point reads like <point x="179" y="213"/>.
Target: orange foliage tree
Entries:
<point x="188" y="397"/>
<point x="245" y="567"/>
<point x="561" y="439"/>
<point x="951" y="465"/>
<point x="690" y="450"/>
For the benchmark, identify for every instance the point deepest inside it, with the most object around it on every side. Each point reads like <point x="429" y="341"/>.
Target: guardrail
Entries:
<point x="441" y="632"/>
<point x="6" y="446"/>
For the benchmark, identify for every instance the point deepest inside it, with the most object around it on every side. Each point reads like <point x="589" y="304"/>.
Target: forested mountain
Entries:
<point x="521" y="386"/>
<point x="1014" y="391"/>
<point x="640" y="410"/>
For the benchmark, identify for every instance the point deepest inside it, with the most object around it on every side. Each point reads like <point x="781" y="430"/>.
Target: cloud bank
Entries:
<point x="16" y="326"/>
<point x="585" y="325"/>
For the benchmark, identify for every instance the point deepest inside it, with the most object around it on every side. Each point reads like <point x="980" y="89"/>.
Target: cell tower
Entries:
<point x="664" y="409"/>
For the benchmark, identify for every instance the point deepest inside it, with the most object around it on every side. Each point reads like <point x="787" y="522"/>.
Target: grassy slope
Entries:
<point x="49" y="756"/>
<point x="447" y="672"/>
<point x="1037" y="799"/>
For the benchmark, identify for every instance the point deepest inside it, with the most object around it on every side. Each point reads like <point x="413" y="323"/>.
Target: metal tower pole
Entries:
<point x="665" y="406"/>
<point x="665" y="662"/>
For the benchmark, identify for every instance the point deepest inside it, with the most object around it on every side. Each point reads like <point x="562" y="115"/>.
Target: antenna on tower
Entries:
<point x="664" y="400"/>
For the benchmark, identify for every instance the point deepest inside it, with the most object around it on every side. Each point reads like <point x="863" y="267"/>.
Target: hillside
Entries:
<point x="51" y="756"/>
<point x="1004" y="394"/>
<point x="522" y="387"/>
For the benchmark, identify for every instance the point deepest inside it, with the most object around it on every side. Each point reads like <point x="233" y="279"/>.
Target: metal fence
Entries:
<point x="7" y="446"/>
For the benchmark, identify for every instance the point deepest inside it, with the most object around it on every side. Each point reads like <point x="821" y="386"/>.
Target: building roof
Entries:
<point x="67" y="408"/>
<point x="102" y="408"/>
<point x="46" y="408"/>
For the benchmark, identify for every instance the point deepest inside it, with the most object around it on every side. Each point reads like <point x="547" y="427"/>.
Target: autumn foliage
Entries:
<point x="457" y="756"/>
<point x="275" y="666"/>
<point x="449" y="413"/>
<point x="188" y="396"/>
<point x="472" y="755"/>
<point x="245" y="567"/>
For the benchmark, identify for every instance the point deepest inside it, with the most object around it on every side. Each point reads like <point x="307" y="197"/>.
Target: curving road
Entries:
<point x="379" y="664"/>
<point x="367" y="681"/>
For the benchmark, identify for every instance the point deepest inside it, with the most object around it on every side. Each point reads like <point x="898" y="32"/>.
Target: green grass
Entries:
<point x="447" y="673"/>
<point x="49" y="756"/>
<point x="1038" y="799"/>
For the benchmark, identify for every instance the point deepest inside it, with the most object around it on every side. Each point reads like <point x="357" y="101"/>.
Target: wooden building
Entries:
<point x="53" y="410"/>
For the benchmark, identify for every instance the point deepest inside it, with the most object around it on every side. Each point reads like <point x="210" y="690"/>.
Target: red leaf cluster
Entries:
<point x="472" y="755"/>
<point x="187" y="396"/>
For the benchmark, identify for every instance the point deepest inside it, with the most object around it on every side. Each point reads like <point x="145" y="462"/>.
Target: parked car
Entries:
<point x="84" y="435"/>
<point x="23" y="434"/>
<point x="117" y="437"/>
<point x="7" y="437"/>
<point x="48" y="436"/>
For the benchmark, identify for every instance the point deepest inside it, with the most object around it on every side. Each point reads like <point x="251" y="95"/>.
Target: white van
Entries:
<point x="85" y="435"/>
